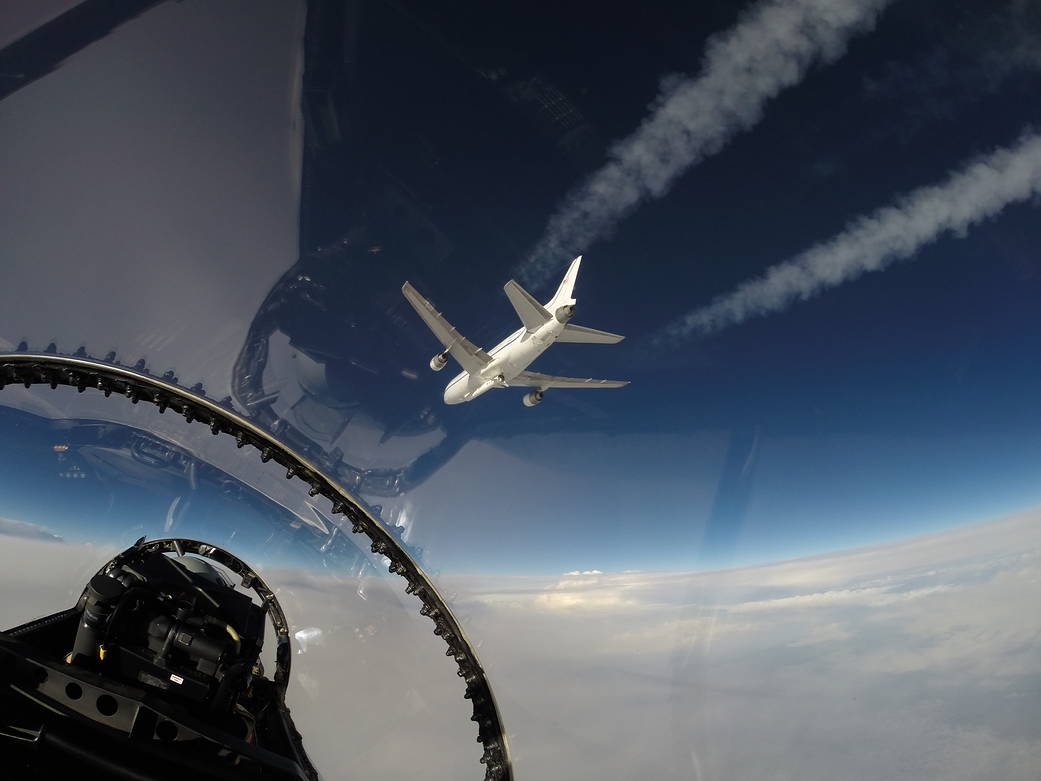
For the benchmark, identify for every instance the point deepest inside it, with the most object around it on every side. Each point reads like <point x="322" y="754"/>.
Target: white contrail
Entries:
<point x="771" y="47"/>
<point x="975" y="193"/>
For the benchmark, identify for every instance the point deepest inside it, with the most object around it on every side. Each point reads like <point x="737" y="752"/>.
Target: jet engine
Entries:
<point x="437" y="363"/>
<point x="564" y="313"/>
<point x="533" y="398"/>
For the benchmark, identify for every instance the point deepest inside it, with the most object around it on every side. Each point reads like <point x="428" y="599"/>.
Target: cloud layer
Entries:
<point x="976" y="192"/>
<point x="32" y="531"/>
<point x="909" y="660"/>
<point x="772" y="47"/>
<point x="915" y="659"/>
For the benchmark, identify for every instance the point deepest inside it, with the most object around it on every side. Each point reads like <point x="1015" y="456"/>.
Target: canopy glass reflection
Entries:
<point x="803" y="540"/>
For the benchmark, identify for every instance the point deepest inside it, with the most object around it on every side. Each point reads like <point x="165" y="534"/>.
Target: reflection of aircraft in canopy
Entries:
<point x="506" y="364"/>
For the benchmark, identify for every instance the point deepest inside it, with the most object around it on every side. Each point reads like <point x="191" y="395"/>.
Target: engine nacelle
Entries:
<point x="439" y="361"/>
<point x="564" y="313"/>
<point x="533" y="398"/>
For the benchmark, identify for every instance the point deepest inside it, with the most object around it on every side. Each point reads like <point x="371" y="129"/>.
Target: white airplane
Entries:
<point x="506" y="364"/>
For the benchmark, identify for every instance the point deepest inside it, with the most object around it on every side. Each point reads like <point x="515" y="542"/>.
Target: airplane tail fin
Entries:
<point x="564" y="294"/>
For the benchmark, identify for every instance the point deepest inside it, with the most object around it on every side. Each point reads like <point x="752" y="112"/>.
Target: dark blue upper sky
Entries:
<point x="439" y="142"/>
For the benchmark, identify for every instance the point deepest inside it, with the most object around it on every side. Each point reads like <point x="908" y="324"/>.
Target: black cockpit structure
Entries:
<point x="154" y="673"/>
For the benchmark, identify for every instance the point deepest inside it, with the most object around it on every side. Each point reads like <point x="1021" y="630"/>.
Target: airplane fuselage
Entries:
<point x="510" y="357"/>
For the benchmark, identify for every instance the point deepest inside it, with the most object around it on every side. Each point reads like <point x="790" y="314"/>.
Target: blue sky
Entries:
<point x="899" y="402"/>
<point x="194" y="192"/>
<point x="114" y="483"/>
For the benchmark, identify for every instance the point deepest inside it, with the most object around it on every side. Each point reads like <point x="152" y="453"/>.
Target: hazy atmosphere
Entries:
<point x="925" y="647"/>
<point x="801" y="543"/>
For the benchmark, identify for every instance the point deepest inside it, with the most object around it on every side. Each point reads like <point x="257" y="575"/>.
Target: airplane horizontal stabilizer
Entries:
<point x="579" y="333"/>
<point x="530" y="311"/>
<point x="472" y="358"/>
<point x="536" y="380"/>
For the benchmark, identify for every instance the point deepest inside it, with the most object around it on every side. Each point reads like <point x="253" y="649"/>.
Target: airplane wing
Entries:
<point x="471" y="357"/>
<point x="536" y="380"/>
